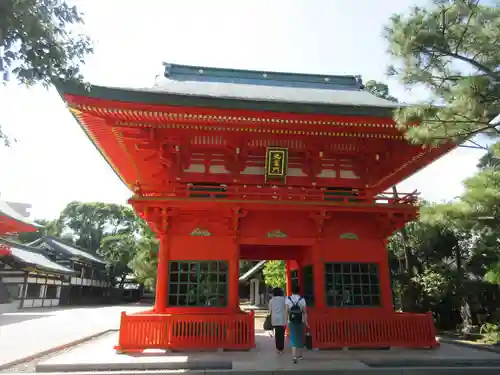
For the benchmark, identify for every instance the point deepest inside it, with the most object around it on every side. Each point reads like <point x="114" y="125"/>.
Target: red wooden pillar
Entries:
<point x="162" y="276"/>
<point x="234" y="275"/>
<point x="319" y="277"/>
<point x="288" y="270"/>
<point x="385" y="281"/>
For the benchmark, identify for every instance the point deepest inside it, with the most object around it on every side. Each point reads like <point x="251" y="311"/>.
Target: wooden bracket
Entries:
<point x="319" y="218"/>
<point x="234" y="220"/>
<point x="159" y="218"/>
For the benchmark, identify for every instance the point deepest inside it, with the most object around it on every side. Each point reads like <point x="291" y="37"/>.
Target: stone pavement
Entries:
<point x="27" y="333"/>
<point x="98" y="355"/>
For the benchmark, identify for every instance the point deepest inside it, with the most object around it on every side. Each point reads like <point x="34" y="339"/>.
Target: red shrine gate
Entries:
<point x="230" y="165"/>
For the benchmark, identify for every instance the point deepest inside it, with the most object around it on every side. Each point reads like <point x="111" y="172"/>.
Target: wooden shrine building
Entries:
<point x="227" y="165"/>
<point x="91" y="280"/>
<point x="27" y="277"/>
<point x="30" y="277"/>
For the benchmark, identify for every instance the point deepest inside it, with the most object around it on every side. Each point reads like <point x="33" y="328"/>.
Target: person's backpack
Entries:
<point x="295" y="312"/>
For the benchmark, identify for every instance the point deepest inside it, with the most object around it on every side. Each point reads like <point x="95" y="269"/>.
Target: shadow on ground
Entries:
<point x="13" y="318"/>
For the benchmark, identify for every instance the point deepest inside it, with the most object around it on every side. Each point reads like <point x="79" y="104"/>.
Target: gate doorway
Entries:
<point x="298" y="270"/>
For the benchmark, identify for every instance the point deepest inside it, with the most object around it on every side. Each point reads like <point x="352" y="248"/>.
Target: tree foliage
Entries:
<point x="49" y="228"/>
<point x="451" y="49"/>
<point x="91" y="222"/>
<point x="380" y="89"/>
<point x="444" y="260"/>
<point x="38" y="43"/>
<point x="275" y="274"/>
<point x="114" y="232"/>
<point x="145" y="261"/>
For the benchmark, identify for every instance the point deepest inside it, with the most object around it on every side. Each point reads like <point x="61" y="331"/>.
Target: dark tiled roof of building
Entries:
<point x="67" y="250"/>
<point x="252" y="271"/>
<point x="32" y="257"/>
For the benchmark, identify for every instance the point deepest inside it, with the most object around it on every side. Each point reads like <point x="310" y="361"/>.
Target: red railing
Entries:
<point x="187" y="331"/>
<point x="406" y="330"/>
<point x="285" y="193"/>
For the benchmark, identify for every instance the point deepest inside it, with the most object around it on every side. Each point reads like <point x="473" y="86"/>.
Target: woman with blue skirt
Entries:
<point x="296" y="312"/>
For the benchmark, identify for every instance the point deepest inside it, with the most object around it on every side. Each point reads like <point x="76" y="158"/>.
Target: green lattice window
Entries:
<point x="198" y="283"/>
<point x="352" y="284"/>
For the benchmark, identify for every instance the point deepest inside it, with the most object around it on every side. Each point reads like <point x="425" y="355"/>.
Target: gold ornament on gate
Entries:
<point x="276" y="163"/>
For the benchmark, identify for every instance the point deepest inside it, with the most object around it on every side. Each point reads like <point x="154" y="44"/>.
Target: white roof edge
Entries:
<point x="7" y="210"/>
<point x="252" y="270"/>
<point x="22" y="253"/>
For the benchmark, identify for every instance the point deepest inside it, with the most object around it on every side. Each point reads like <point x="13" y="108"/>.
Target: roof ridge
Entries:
<point x="57" y="240"/>
<point x="261" y="77"/>
<point x="50" y="265"/>
<point x="26" y="247"/>
<point x="67" y="243"/>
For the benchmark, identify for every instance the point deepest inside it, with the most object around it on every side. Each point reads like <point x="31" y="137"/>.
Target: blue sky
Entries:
<point x="54" y="163"/>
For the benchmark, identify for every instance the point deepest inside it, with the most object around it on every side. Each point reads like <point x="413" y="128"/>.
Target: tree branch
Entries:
<point x="471" y="5"/>
<point x="468" y="60"/>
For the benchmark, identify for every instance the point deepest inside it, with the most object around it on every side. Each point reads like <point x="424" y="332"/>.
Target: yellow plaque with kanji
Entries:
<point x="276" y="162"/>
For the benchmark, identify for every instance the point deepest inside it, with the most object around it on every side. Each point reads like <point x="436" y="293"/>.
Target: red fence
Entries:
<point x="406" y="330"/>
<point x="187" y="331"/>
<point x="237" y="332"/>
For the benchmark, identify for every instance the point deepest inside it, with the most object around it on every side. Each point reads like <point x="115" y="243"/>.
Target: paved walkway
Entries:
<point x="29" y="332"/>
<point x="98" y="354"/>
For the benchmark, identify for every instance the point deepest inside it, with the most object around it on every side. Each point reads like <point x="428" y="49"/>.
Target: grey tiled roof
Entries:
<point x="254" y="92"/>
<point x="205" y="87"/>
<point x="267" y="86"/>
<point x="32" y="257"/>
<point x="7" y="210"/>
<point x="247" y="275"/>
<point x="59" y="245"/>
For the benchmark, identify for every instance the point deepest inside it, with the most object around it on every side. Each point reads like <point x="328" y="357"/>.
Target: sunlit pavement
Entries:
<point x="98" y="355"/>
<point x="32" y="331"/>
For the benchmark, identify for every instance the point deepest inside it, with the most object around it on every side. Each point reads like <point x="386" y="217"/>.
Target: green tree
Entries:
<point x="37" y="42"/>
<point x="493" y="274"/>
<point x="49" y="228"/>
<point x="144" y="262"/>
<point x="451" y="49"/>
<point x="91" y="222"/>
<point x="422" y="255"/>
<point x="119" y="250"/>
<point x="275" y="274"/>
<point x="132" y="252"/>
<point x="379" y="89"/>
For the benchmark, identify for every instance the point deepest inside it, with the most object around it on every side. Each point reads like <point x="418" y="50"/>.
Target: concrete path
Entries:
<point x="98" y="354"/>
<point x="30" y="332"/>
